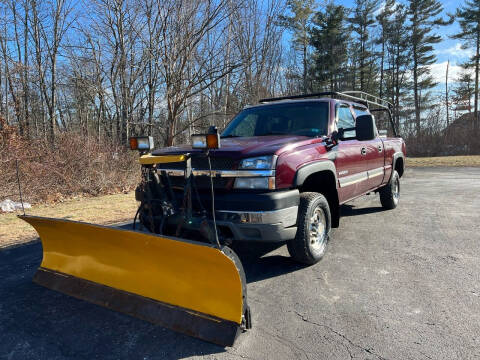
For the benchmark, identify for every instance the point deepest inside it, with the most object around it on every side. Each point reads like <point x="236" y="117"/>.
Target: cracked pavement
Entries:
<point x="399" y="284"/>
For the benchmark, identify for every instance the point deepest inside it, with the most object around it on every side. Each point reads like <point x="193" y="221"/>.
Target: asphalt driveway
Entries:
<point x="399" y="284"/>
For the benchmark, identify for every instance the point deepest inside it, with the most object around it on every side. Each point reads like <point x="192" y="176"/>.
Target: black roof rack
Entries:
<point x="357" y="96"/>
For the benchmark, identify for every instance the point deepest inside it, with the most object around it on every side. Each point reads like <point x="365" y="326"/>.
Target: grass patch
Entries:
<point x="467" y="160"/>
<point x="107" y="209"/>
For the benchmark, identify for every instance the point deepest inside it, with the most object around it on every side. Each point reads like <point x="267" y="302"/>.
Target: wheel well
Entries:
<point x="324" y="182"/>
<point x="399" y="166"/>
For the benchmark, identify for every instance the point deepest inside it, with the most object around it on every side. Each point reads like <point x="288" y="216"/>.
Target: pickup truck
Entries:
<point x="286" y="165"/>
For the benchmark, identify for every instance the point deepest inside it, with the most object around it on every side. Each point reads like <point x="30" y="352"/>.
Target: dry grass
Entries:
<point x="468" y="160"/>
<point x="76" y="166"/>
<point x="106" y="209"/>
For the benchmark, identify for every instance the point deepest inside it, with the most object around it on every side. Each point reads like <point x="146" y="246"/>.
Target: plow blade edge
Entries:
<point x="189" y="287"/>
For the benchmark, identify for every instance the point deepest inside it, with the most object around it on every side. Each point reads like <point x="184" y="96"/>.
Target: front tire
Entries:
<point x="390" y="193"/>
<point x="313" y="229"/>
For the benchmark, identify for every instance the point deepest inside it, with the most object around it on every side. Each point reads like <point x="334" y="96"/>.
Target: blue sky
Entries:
<point x="446" y="50"/>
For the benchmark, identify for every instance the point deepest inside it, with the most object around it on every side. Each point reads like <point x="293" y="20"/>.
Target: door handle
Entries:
<point x="363" y="151"/>
<point x="379" y="148"/>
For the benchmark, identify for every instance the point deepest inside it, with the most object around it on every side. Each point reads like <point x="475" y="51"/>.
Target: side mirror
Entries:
<point x="335" y="136"/>
<point x="365" y="128"/>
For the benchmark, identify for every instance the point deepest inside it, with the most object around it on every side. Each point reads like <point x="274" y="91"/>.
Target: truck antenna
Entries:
<point x="19" y="187"/>
<point x="213" y="199"/>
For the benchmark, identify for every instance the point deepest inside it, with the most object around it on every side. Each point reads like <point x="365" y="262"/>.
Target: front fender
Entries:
<point x="311" y="168"/>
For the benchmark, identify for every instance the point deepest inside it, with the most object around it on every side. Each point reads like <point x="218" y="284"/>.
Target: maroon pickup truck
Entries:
<point x="286" y="165"/>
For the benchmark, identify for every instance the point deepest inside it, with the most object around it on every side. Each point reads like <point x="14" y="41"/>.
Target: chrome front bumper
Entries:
<point x="269" y="226"/>
<point x="287" y="217"/>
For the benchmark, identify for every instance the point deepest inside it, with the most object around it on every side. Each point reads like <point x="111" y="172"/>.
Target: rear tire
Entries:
<point x="314" y="224"/>
<point x="390" y="193"/>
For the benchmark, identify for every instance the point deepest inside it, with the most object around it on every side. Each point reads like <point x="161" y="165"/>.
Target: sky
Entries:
<point x="447" y="49"/>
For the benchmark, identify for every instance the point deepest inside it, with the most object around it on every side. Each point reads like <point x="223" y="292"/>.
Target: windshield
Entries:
<point x="299" y="118"/>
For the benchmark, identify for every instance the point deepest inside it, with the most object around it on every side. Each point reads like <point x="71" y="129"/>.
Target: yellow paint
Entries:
<point x="191" y="275"/>
<point x="160" y="159"/>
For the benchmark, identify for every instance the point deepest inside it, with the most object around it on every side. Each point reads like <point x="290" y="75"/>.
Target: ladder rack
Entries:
<point x="358" y="96"/>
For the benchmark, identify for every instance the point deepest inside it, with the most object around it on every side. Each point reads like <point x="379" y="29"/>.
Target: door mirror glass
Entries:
<point x="365" y="128"/>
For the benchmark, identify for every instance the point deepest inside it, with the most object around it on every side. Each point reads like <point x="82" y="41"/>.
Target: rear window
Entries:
<point x="358" y="112"/>
<point x="298" y="118"/>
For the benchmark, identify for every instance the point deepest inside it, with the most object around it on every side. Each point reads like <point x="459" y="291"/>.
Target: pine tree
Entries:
<point x="398" y="58"/>
<point x="384" y="21"/>
<point x="464" y="91"/>
<point x="299" y="22"/>
<point x="362" y="21"/>
<point x="424" y="19"/>
<point x="329" y="38"/>
<point x="469" y="20"/>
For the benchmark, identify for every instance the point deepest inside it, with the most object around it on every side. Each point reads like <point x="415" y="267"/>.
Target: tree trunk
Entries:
<point x="382" y="56"/>
<point x="53" y="101"/>
<point x="304" y="68"/>
<point x="477" y="66"/>
<point x="446" y="93"/>
<point x="415" y="91"/>
<point x="26" y="89"/>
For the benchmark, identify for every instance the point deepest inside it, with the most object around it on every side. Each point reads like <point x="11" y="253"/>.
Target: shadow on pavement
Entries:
<point x="259" y="267"/>
<point x="351" y="210"/>
<point x="39" y="323"/>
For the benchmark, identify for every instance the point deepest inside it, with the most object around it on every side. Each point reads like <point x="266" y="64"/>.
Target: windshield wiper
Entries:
<point x="229" y="136"/>
<point x="274" y="133"/>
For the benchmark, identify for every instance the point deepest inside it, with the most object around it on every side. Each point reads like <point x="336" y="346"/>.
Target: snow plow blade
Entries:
<point x="186" y="286"/>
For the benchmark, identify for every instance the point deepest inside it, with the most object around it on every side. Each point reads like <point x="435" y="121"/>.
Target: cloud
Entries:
<point x="457" y="52"/>
<point x="381" y="7"/>
<point x="438" y="71"/>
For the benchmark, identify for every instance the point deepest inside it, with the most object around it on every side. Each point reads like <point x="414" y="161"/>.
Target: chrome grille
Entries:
<point x="218" y="163"/>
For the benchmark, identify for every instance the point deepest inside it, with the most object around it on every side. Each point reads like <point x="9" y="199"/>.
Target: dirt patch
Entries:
<point x="103" y="210"/>
<point x="468" y="160"/>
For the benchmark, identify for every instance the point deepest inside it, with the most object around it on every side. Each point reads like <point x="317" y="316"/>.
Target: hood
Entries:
<point x="247" y="146"/>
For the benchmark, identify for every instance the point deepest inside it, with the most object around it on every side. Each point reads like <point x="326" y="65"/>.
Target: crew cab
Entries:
<point x="286" y="165"/>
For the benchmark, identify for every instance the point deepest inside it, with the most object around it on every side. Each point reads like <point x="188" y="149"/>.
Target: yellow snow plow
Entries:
<point x="195" y="286"/>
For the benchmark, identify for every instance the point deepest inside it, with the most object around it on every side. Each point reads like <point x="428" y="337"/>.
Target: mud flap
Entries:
<point x="189" y="287"/>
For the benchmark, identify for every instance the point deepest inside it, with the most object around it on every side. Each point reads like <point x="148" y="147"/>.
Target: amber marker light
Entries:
<point x="212" y="141"/>
<point x="133" y="143"/>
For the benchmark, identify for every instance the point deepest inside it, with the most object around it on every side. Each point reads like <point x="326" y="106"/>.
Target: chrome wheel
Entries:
<point x="318" y="230"/>
<point x="396" y="190"/>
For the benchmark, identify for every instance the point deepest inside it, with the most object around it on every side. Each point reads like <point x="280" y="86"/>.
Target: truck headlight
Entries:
<point x="257" y="163"/>
<point x="255" y="183"/>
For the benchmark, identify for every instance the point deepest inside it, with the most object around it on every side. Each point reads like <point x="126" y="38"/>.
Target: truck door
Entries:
<point x="374" y="157"/>
<point x="350" y="157"/>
